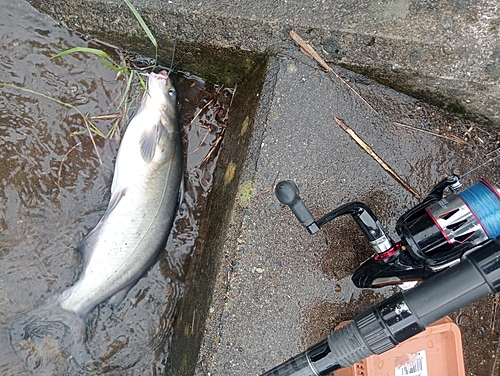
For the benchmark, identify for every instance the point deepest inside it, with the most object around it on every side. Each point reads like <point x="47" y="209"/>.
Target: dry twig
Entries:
<point x="199" y="112"/>
<point x="372" y="154"/>
<point x="270" y="189"/>
<point x="454" y="138"/>
<point x="494" y="310"/>
<point x="204" y="367"/>
<point x="59" y="171"/>
<point x="86" y="121"/>
<point x="307" y="49"/>
<point x="216" y="144"/>
<point x="232" y="97"/>
<point x="192" y="322"/>
<point x="493" y="152"/>
<point x="115" y="115"/>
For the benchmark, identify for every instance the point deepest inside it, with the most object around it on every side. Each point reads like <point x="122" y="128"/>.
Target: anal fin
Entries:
<point x="118" y="297"/>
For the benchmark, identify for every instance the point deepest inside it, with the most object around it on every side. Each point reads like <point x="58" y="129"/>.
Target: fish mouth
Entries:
<point x="161" y="74"/>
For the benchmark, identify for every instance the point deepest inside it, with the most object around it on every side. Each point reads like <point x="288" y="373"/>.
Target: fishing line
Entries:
<point x="173" y="50"/>
<point x="483" y="199"/>
<point x="481" y="165"/>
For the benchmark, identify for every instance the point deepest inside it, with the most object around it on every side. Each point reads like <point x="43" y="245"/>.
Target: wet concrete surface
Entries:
<point x="447" y="52"/>
<point x="281" y="290"/>
<point x="278" y="289"/>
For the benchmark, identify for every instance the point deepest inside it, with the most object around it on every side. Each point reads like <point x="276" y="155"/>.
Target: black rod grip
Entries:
<point x="316" y="360"/>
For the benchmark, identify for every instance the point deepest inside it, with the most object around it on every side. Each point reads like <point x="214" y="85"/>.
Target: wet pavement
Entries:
<point x="281" y="290"/>
<point x="447" y="52"/>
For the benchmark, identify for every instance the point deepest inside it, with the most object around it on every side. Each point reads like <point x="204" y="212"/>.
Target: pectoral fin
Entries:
<point x="149" y="140"/>
<point x="114" y="200"/>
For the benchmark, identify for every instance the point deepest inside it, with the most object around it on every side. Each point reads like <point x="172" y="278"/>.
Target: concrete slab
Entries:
<point x="281" y="290"/>
<point x="278" y="289"/>
<point x="446" y="52"/>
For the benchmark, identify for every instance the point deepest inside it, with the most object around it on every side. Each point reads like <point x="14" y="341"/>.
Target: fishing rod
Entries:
<point x="398" y="318"/>
<point x="451" y="242"/>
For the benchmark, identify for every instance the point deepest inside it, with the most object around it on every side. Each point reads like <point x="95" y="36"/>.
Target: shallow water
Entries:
<point x="54" y="187"/>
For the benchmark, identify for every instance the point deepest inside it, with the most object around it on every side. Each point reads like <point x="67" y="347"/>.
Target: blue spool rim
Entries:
<point x="491" y="186"/>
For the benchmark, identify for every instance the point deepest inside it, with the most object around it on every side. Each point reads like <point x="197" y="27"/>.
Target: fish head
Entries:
<point x="157" y="124"/>
<point x="161" y="94"/>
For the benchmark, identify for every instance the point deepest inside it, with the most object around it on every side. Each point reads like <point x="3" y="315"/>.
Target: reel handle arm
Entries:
<point x="288" y="194"/>
<point x="366" y="221"/>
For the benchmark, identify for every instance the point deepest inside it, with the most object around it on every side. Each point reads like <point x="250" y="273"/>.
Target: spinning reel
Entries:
<point x="434" y="235"/>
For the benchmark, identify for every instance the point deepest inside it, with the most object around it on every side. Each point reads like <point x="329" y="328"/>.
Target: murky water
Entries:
<point x="54" y="187"/>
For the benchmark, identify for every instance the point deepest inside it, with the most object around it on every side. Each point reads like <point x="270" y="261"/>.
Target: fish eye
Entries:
<point x="172" y="93"/>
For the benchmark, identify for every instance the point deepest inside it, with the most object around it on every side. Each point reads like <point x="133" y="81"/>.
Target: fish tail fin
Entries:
<point x="50" y="335"/>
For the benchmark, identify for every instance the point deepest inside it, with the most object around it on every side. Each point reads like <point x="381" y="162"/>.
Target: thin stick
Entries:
<point x="59" y="171"/>
<point x="199" y="112"/>
<point x="214" y="147"/>
<point x="201" y="143"/>
<point x="369" y="150"/>
<point x="491" y="152"/>
<point x="494" y="309"/>
<point x="85" y="120"/>
<point x="115" y="115"/>
<point x="192" y="322"/>
<point x="269" y="190"/>
<point x="231" y="102"/>
<point x="204" y="138"/>
<point x="204" y="367"/>
<point x="460" y="141"/>
<point x="307" y="49"/>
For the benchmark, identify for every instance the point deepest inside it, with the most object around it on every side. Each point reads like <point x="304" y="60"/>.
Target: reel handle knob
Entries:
<point x="288" y="194"/>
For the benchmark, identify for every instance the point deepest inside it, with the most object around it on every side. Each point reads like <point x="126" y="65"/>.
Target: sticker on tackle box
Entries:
<point x="415" y="365"/>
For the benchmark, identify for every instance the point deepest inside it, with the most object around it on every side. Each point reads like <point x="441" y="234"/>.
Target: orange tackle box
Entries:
<point x="437" y="351"/>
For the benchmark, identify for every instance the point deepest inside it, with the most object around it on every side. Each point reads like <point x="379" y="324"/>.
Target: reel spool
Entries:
<point x="435" y="234"/>
<point x="442" y="231"/>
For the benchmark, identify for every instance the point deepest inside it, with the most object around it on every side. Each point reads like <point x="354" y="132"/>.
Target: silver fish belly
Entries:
<point x="144" y="198"/>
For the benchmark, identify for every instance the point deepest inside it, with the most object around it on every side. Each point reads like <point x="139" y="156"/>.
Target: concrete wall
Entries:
<point x="445" y="52"/>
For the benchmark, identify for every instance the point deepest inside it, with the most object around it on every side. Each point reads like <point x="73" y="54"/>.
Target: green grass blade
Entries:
<point x="41" y="95"/>
<point x="94" y="51"/>
<point x="141" y="80"/>
<point x="124" y="97"/>
<point x="142" y="23"/>
<point x="112" y="65"/>
<point x="58" y="101"/>
<point x="95" y="129"/>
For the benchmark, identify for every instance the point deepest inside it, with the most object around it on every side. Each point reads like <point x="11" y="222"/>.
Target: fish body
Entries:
<point x="144" y="198"/>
